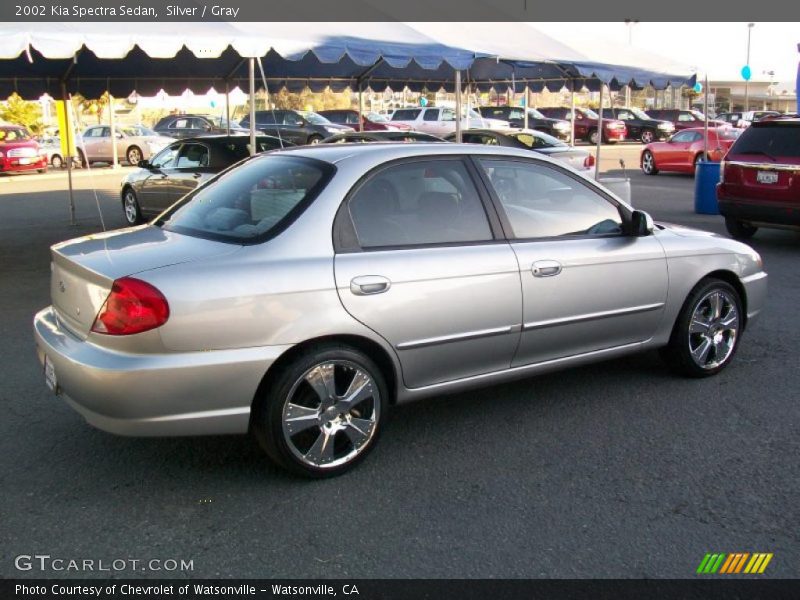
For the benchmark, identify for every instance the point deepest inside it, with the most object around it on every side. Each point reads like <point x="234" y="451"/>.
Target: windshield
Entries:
<point x="314" y="118"/>
<point x="538" y="140"/>
<point x="135" y="130"/>
<point x="639" y="114"/>
<point x="532" y="112"/>
<point x="15" y="134"/>
<point x="252" y="202"/>
<point x="698" y="115"/>
<point x="376" y="118"/>
<point x="590" y="113"/>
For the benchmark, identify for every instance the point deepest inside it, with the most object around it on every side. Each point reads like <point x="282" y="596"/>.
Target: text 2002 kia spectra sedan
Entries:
<point x="301" y="293"/>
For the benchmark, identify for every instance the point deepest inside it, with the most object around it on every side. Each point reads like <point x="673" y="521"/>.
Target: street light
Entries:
<point x="746" y="81"/>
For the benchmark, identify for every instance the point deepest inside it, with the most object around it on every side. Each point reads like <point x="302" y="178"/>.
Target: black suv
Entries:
<point x="299" y="127"/>
<point x="515" y="115"/>
<point x="641" y="126"/>
<point x="181" y="126"/>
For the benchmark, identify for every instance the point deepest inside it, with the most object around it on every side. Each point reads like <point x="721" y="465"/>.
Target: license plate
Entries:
<point x="50" y="375"/>
<point x="767" y="177"/>
<point x="25" y="161"/>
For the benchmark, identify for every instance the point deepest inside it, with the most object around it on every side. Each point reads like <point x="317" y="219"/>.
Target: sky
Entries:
<point x="719" y="48"/>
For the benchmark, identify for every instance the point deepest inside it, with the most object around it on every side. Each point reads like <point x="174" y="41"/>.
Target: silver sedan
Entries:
<point x="302" y="293"/>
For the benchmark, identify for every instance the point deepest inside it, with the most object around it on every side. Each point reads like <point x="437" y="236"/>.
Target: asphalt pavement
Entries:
<point x="620" y="469"/>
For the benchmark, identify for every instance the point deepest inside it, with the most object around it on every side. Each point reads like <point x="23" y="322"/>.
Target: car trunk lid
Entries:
<point x="84" y="269"/>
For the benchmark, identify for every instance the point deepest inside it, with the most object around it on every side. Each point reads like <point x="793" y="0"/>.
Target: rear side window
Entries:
<point x="778" y="140"/>
<point x="417" y="204"/>
<point x="406" y="114"/>
<point x="431" y="115"/>
<point x="251" y="203"/>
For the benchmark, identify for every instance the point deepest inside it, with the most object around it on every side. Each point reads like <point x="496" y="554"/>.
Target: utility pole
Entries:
<point x="746" y="81"/>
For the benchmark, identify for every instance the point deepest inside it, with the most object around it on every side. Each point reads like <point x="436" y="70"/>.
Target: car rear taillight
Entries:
<point x="588" y="161"/>
<point x="133" y="306"/>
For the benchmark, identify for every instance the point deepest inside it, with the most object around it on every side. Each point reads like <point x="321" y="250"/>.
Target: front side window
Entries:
<point x="419" y="203"/>
<point x="542" y="202"/>
<point x="683" y="137"/>
<point x="685" y="117"/>
<point x="251" y="202"/>
<point x="192" y="156"/>
<point x="166" y="158"/>
<point x="431" y="115"/>
<point x="179" y="124"/>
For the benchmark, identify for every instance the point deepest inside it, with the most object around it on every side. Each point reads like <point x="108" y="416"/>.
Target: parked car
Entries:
<point x="299" y="127"/>
<point x="515" y="115"/>
<point x="440" y="120"/>
<point x="180" y="168"/>
<point x="180" y="126"/>
<point x="731" y="118"/>
<point x="19" y="151"/>
<point x="586" y="124"/>
<point x="381" y="136"/>
<point x="760" y="178"/>
<point x="303" y="292"/>
<point x="134" y="143"/>
<point x="372" y="121"/>
<point x="684" y="119"/>
<point x="529" y="139"/>
<point x="752" y="116"/>
<point x="684" y="150"/>
<point x="51" y="148"/>
<point x="639" y="125"/>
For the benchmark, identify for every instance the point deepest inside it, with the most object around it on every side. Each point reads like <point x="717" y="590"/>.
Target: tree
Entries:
<point x="22" y="112"/>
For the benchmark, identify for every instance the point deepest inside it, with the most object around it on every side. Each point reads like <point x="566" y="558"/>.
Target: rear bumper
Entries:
<point x="193" y="393"/>
<point x="774" y="213"/>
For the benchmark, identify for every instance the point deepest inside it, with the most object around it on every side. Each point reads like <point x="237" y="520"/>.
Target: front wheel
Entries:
<point x="706" y="335"/>
<point x="130" y="206"/>
<point x="648" y="136"/>
<point x="739" y="230"/>
<point x="649" y="163"/>
<point x="322" y="414"/>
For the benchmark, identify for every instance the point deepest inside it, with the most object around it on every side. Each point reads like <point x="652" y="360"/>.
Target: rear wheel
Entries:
<point x="648" y="135"/>
<point x="739" y="230"/>
<point x="133" y="155"/>
<point x="593" y="136"/>
<point x="322" y="413"/>
<point x="649" y="163"/>
<point x="706" y="335"/>
<point x="314" y="139"/>
<point x="56" y="161"/>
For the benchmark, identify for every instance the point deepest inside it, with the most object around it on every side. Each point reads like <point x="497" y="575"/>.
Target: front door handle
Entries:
<point x="546" y="268"/>
<point x="366" y="285"/>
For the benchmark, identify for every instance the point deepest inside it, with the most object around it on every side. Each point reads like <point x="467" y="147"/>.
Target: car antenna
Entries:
<point x="272" y="108"/>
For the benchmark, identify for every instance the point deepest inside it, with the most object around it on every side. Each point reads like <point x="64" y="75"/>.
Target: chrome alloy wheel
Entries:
<point x="713" y="329"/>
<point x="331" y="414"/>
<point x="131" y="208"/>
<point x="648" y="164"/>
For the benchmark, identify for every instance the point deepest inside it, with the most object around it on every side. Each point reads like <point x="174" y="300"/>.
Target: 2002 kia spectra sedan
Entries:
<point x="301" y="293"/>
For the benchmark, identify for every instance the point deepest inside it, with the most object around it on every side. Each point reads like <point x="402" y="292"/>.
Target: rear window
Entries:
<point x="774" y="140"/>
<point x="252" y="202"/>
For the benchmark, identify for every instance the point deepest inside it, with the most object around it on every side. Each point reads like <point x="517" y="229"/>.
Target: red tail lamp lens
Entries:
<point x="133" y="306"/>
<point x="588" y="161"/>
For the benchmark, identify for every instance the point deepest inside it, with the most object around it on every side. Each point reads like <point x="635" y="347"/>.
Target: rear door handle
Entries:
<point x="546" y="268"/>
<point x="366" y="285"/>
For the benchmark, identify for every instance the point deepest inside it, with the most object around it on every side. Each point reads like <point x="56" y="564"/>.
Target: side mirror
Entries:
<point x="119" y="135"/>
<point x="144" y="164"/>
<point x="641" y="224"/>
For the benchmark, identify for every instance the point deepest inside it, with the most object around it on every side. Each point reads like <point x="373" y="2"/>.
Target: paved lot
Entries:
<point x="613" y="470"/>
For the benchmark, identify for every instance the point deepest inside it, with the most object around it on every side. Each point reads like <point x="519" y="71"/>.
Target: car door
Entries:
<point x="97" y="143"/>
<point x="419" y="262"/>
<point x="431" y="122"/>
<point x="180" y="127"/>
<point x="295" y="128"/>
<point x="155" y="191"/>
<point x="633" y="124"/>
<point x="586" y="286"/>
<point x="672" y="154"/>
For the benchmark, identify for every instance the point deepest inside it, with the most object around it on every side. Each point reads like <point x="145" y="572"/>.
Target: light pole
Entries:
<point x="746" y="81"/>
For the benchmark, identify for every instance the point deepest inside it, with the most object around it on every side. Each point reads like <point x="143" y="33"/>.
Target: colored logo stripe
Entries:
<point x="734" y="563"/>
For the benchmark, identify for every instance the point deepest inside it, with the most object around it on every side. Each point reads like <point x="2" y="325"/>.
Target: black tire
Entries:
<point x="131" y="208"/>
<point x="592" y="136"/>
<point x="56" y="161"/>
<point x="739" y="230"/>
<point x="269" y="421"/>
<point x="42" y="170"/>
<point x="133" y="155"/>
<point x="648" y="136"/>
<point x="678" y="353"/>
<point x="649" y="163"/>
<point x="314" y="139"/>
<point x="82" y="162"/>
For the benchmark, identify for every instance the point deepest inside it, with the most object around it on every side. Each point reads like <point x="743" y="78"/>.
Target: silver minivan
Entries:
<point x="302" y="293"/>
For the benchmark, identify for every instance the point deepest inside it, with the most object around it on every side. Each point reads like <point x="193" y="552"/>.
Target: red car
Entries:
<point x="681" y="152"/>
<point x="614" y="130"/>
<point x="760" y="178"/>
<point x="684" y="119"/>
<point x="19" y="151"/>
<point x="372" y="120"/>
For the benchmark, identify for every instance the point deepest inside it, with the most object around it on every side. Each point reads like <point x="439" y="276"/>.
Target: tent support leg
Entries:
<point x="527" y="103"/>
<point x="68" y="135"/>
<point x="360" y="107"/>
<point x="458" y="106"/>
<point x="112" y="121"/>
<point x="227" y="108"/>
<point x="572" y="116"/>
<point x="251" y="72"/>
<point x="599" y="132"/>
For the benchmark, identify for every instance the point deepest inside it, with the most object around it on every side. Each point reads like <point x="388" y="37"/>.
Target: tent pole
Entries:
<point x="705" y="114"/>
<point x="572" y="117"/>
<point x="360" y="107"/>
<point x="227" y="108"/>
<point x="527" y="103"/>
<point x="599" y="132"/>
<point x="252" y="75"/>
<point x="68" y="135"/>
<point x="458" y="106"/>
<point x="113" y="123"/>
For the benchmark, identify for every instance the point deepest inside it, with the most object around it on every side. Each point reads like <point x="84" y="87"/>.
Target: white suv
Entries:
<point x="441" y="121"/>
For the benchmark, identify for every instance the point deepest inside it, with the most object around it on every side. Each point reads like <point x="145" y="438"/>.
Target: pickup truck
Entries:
<point x="440" y="120"/>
